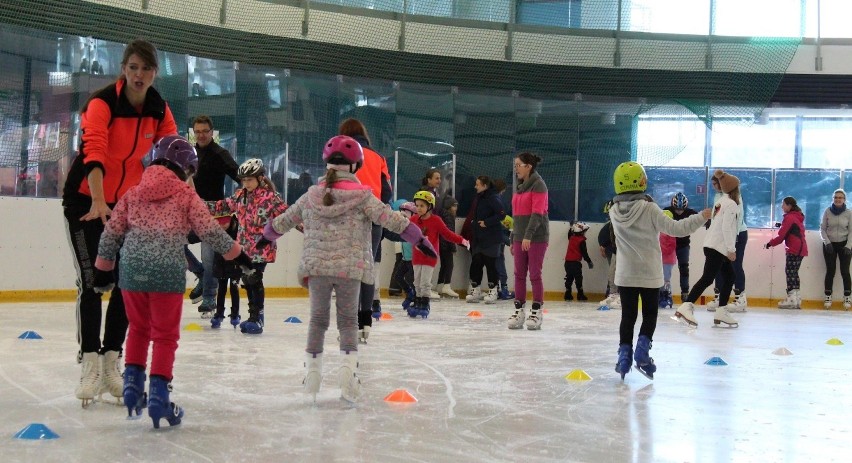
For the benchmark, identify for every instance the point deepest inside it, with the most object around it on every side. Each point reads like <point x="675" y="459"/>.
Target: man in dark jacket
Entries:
<point x="214" y="163"/>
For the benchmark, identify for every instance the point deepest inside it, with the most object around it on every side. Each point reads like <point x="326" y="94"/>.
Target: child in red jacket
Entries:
<point x="792" y="233"/>
<point x="573" y="267"/>
<point x="432" y="227"/>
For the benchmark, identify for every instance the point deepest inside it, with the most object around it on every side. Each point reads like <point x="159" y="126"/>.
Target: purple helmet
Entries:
<point x="343" y="150"/>
<point x="409" y="206"/>
<point x="178" y="151"/>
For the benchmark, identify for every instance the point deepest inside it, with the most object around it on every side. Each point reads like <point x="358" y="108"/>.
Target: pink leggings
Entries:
<point x="153" y="317"/>
<point x="531" y="261"/>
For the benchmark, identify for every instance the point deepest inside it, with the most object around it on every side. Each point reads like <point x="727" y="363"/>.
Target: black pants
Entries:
<point x="445" y="273"/>
<point x="367" y="291"/>
<point x="573" y="273"/>
<point x="714" y="262"/>
<point x="84" y="238"/>
<point x="403" y="276"/>
<point x="832" y="253"/>
<point x="630" y="312"/>
<point x="478" y="261"/>
<point x="394" y="285"/>
<point x="225" y="284"/>
<point x="257" y="292"/>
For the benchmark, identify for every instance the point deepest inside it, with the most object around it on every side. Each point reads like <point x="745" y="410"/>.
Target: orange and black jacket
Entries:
<point x="115" y="138"/>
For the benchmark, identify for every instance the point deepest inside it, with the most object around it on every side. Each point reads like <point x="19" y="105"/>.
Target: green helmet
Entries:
<point x="668" y="214"/>
<point x="508" y="222"/>
<point x="629" y="176"/>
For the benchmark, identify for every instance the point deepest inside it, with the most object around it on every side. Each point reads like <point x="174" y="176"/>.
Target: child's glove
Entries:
<point x="104" y="281"/>
<point x="766" y="246"/>
<point x="466" y="244"/>
<point x="269" y="235"/>
<point x="425" y="247"/>
<point x="591" y="265"/>
<point x="262" y="243"/>
<point x="251" y="276"/>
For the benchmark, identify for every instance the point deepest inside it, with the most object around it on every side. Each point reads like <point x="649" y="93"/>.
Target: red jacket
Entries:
<point x="432" y="228"/>
<point x="116" y="137"/>
<point x="792" y="233"/>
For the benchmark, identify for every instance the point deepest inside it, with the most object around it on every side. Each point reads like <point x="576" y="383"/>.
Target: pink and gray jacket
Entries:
<point x="150" y="224"/>
<point x="529" y="206"/>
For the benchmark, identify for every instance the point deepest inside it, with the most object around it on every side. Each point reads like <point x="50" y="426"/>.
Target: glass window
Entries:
<point x="562" y="13"/>
<point x="210" y="77"/>
<point x="741" y="144"/>
<point x="758" y="18"/>
<point x="825" y="142"/>
<point x="813" y="190"/>
<point x="670" y="142"/>
<point x="668" y="16"/>
<point x="665" y="182"/>
<point x="834" y="17"/>
<point x="756" y="192"/>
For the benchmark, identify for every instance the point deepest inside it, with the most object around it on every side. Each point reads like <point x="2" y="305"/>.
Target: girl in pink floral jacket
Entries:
<point x="255" y="204"/>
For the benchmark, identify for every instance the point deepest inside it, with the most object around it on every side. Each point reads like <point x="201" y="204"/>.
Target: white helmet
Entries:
<point x="579" y="227"/>
<point x="251" y="168"/>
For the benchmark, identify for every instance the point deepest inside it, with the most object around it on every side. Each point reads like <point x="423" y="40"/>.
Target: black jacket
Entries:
<point x="681" y="241"/>
<point x="214" y="163"/>
<point x="489" y="239"/>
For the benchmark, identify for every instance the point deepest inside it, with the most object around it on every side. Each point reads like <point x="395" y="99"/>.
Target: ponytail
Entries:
<point x="330" y="179"/>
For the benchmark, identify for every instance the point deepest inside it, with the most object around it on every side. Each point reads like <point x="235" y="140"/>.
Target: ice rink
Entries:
<point x="484" y="393"/>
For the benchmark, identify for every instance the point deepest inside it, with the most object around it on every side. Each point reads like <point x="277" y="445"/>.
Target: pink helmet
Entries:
<point x="409" y="206"/>
<point x="178" y="151"/>
<point x="342" y="150"/>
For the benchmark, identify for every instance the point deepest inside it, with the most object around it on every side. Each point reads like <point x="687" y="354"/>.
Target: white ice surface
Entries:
<point x="485" y="393"/>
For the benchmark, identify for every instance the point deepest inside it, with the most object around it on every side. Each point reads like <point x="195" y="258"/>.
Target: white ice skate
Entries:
<point x="686" y="313"/>
<point x="111" y="380"/>
<point x="534" y="319"/>
<point x="826" y="302"/>
<point x="740" y="303"/>
<point x="434" y="295"/>
<point x="491" y="297"/>
<point x="363" y="334"/>
<point x="446" y="290"/>
<point x="90" y="378"/>
<point x="615" y="302"/>
<point x="313" y="374"/>
<point x="347" y="377"/>
<point x="847" y="302"/>
<point x="723" y="317"/>
<point x="714" y="303"/>
<point x="789" y="302"/>
<point x="474" y="296"/>
<point x="516" y="320"/>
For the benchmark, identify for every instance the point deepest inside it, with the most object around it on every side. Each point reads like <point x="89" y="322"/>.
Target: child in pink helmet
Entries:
<point x="336" y="216"/>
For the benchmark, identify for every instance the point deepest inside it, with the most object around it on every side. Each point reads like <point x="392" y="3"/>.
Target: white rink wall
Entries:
<point x="35" y="255"/>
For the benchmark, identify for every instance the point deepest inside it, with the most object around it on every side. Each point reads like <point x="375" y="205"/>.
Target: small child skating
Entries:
<point x="255" y="204"/>
<point x="404" y="273"/>
<point x="432" y="228"/>
<point x="792" y="233"/>
<point x="150" y="224"/>
<point x="573" y="255"/>
<point x="606" y="243"/>
<point x="336" y="216"/>
<point x="229" y="276"/>
<point x="637" y="223"/>
<point x="668" y="246"/>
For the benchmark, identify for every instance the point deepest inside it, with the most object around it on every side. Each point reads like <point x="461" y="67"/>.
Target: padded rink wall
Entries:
<point x="37" y="262"/>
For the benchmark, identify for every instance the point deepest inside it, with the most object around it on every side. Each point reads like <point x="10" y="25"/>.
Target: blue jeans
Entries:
<point x="210" y="282"/>
<point x="192" y="263"/>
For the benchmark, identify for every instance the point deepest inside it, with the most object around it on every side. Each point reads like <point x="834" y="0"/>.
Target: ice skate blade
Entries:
<point x="87" y="402"/>
<point x="724" y="324"/>
<point x="647" y="374"/>
<point x="678" y="317"/>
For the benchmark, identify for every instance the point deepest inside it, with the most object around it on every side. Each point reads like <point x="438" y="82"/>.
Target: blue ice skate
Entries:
<point x="135" y="396"/>
<point x="625" y="351"/>
<point x="424" y="309"/>
<point x="414" y="309"/>
<point x="644" y="362"/>
<point x="377" y="310"/>
<point x="159" y="406"/>
<point x="254" y="324"/>
<point x="409" y="299"/>
<point x="235" y="321"/>
<point x="216" y="322"/>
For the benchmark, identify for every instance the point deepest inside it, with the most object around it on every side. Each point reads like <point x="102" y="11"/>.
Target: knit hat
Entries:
<point x="727" y="182"/>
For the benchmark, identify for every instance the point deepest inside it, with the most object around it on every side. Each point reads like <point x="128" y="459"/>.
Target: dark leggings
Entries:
<point x="365" y="308"/>
<point x="630" y="312"/>
<point x="445" y="273"/>
<point x="225" y="284"/>
<point x="832" y="253"/>
<point x="573" y="273"/>
<point x="739" y="273"/>
<point x="791" y="269"/>
<point x="714" y="262"/>
<point x="478" y="261"/>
